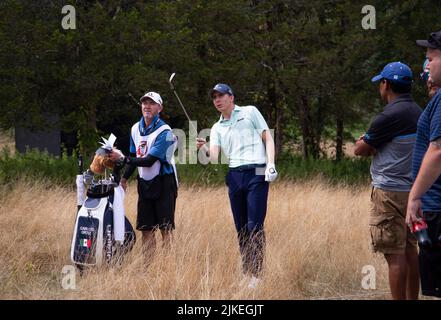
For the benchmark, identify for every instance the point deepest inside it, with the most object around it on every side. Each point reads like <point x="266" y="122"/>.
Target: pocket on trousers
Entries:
<point x="384" y="233"/>
<point x="150" y="189"/>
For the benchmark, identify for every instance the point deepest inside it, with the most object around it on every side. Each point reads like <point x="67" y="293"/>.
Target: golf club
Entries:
<point x="136" y="101"/>
<point x="179" y="100"/>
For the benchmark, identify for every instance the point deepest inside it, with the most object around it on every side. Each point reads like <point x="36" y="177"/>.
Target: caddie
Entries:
<point x="152" y="145"/>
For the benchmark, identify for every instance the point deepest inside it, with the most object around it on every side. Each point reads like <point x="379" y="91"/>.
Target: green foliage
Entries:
<point x="35" y="165"/>
<point x="201" y="175"/>
<point x="346" y="171"/>
<point x="306" y="64"/>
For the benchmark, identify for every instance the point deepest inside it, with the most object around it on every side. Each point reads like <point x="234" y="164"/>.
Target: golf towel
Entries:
<point x="80" y="190"/>
<point x="118" y="214"/>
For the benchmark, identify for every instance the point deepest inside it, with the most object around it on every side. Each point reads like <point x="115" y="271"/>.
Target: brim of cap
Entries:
<point x="147" y="97"/>
<point x="426" y="44"/>
<point x="210" y="93"/>
<point x="377" y="78"/>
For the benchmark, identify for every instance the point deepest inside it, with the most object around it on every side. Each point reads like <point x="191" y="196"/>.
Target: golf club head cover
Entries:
<point x="97" y="165"/>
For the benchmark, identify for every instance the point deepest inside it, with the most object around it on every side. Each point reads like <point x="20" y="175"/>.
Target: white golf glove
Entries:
<point x="270" y="172"/>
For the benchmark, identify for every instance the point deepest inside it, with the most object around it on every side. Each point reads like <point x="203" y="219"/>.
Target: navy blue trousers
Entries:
<point x="248" y="194"/>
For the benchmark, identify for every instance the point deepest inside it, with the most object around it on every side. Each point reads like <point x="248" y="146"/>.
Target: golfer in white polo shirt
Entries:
<point x="244" y="137"/>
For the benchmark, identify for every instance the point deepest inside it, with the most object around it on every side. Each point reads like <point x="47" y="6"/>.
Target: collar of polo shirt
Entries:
<point x="225" y="121"/>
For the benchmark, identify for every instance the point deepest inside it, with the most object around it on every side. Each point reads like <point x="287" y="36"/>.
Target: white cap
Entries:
<point x="154" y="96"/>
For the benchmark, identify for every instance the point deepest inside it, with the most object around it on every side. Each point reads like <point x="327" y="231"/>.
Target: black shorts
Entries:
<point x="160" y="212"/>
<point x="430" y="258"/>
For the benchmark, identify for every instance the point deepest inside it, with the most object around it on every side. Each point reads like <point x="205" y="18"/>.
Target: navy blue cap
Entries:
<point x="222" y="88"/>
<point x="433" y="42"/>
<point x="396" y="72"/>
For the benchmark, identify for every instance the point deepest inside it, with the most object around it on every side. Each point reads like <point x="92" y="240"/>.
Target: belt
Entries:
<point x="247" y="167"/>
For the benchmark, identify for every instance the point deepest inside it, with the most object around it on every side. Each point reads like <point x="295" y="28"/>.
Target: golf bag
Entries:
<point x="93" y="240"/>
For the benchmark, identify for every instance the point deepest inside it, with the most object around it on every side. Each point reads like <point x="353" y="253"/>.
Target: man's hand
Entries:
<point x="270" y="172"/>
<point x="363" y="149"/>
<point x="200" y="142"/>
<point x="123" y="183"/>
<point x="414" y="211"/>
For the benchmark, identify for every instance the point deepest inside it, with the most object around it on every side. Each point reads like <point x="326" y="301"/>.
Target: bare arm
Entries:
<point x="363" y="149"/>
<point x="213" y="153"/>
<point x="429" y="171"/>
<point x="269" y="146"/>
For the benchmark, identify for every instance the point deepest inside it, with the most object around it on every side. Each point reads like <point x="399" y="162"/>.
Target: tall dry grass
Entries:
<point x="317" y="245"/>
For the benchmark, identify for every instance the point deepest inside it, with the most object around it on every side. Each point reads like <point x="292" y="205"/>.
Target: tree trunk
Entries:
<point x="339" y="140"/>
<point x="88" y="137"/>
<point x="278" y="133"/>
<point x="276" y="120"/>
<point x="305" y="123"/>
<point x="319" y="127"/>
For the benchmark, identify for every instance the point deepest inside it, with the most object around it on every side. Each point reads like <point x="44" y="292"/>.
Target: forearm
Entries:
<point x="270" y="150"/>
<point x="117" y="172"/>
<point x="362" y="149"/>
<point x="128" y="171"/>
<point x="213" y="154"/>
<point x="357" y="150"/>
<point x="269" y="146"/>
<point x="133" y="162"/>
<point x="142" y="162"/>
<point x="429" y="172"/>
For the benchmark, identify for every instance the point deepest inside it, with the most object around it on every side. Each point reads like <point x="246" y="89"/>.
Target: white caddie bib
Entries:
<point x="143" y="145"/>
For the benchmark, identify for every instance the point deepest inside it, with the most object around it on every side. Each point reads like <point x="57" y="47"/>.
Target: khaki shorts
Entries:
<point x="389" y="232"/>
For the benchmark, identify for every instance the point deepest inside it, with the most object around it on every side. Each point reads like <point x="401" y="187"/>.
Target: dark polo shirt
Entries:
<point x="392" y="133"/>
